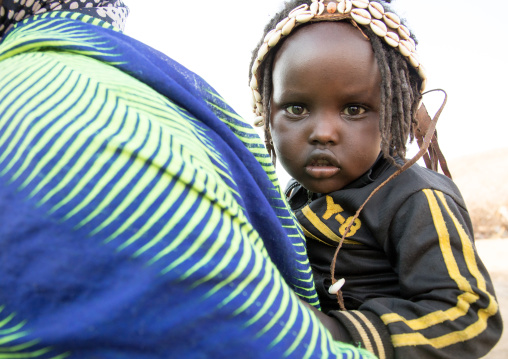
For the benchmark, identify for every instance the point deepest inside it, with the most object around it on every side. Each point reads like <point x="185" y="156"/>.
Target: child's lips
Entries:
<point x="322" y="168"/>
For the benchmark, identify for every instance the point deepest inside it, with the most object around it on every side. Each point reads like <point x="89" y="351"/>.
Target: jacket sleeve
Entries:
<point x="447" y="307"/>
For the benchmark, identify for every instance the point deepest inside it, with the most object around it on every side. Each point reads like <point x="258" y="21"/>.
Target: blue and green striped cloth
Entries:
<point x="140" y="217"/>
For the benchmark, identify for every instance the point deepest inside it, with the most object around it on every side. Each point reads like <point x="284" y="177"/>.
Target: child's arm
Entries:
<point x="447" y="307"/>
<point x="336" y="329"/>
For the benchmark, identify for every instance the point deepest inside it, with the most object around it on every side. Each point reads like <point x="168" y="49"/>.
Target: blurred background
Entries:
<point x="460" y="45"/>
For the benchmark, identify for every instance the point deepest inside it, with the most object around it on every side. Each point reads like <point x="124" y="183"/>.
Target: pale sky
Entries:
<point x="460" y="44"/>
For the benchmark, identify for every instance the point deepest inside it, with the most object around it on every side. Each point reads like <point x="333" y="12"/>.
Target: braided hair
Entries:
<point x="400" y="89"/>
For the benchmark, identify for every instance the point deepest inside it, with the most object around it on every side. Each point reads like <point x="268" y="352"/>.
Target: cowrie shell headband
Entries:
<point x="386" y="25"/>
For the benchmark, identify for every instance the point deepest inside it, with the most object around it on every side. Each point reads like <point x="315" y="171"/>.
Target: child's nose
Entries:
<point x="325" y="131"/>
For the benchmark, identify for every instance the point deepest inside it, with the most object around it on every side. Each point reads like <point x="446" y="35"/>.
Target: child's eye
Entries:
<point x="354" y="110"/>
<point x="296" y="110"/>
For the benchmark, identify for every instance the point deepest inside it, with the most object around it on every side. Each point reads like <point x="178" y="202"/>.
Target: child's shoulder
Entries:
<point x="418" y="178"/>
<point x="428" y="178"/>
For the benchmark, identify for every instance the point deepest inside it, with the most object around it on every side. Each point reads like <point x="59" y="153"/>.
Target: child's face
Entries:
<point x="325" y="106"/>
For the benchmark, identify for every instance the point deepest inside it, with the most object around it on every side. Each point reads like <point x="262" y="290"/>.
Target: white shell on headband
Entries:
<point x="361" y="4"/>
<point x="317" y="8"/>
<point x="361" y="16"/>
<point x="274" y="38"/>
<point x="392" y="39"/>
<point x="344" y="6"/>
<point x="304" y="17"/>
<point x="379" y="28"/>
<point x="376" y="10"/>
<point x="289" y="26"/>
<point x="391" y="20"/>
<point x="404" y="32"/>
<point x="386" y="25"/>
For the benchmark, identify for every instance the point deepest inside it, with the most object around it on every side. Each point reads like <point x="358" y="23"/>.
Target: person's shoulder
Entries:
<point x="429" y="177"/>
<point x="417" y="178"/>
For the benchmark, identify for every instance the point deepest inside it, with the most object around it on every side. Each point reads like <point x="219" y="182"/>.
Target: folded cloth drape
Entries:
<point x="140" y="216"/>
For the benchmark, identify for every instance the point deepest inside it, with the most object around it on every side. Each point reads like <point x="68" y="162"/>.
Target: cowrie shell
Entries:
<point x="254" y="83"/>
<point x="405" y="48"/>
<point x="298" y="10"/>
<point x="317" y="8"/>
<point x="392" y="39"/>
<point x="344" y="6"/>
<point x="379" y="28"/>
<point x="331" y="7"/>
<point x="412" y="43"/>
<point x="424" y="86"/>
<point x="286" y="29"/>
<point x="413" y="60"/>
<point x="391" y="19"/>
<point x="259" y="106"/>
<point x="270" y="33"/>
<point x="376" y="10"/>
<point x="403" y="32"/>
<point x="259" y="121"/>
<point x="281" y="23"/>
<point x="422" y="72"/>
<point x="263" y="50"/>
<point x="335" y="287"/>
<point x="304" y="17"/>
<point x="274" y="39"/>
<point x="257" y="95"/>
<point x="255" y="67"/>
<point x="253" y="101"/>
<point x="361" y="16"/>
<point x="314" y="7"/>
<point x="361" y="4"/>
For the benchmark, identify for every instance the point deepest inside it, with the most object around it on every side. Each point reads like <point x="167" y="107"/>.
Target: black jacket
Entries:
<point x="415" y="286"/>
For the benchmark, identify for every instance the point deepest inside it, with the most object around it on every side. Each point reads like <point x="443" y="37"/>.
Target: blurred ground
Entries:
<point x="494" y="254"/>
<point x="483" y="182"/>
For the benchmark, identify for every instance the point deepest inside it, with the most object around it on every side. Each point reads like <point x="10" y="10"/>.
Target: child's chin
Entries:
<point x="322" y="186"/>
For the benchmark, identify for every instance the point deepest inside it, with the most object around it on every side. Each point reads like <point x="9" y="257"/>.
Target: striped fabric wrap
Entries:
<point x="140" y="216"/>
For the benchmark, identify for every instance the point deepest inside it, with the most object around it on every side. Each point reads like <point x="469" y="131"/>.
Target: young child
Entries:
<point x="337" y="86"/>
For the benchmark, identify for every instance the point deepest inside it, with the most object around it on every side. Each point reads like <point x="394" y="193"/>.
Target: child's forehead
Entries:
<point x="325" y="52"/>
<point x="335" y="39"/>
<point x="328" y="32"/>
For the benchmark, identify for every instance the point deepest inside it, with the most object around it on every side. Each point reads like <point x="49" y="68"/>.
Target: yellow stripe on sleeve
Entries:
<point x="377" y="338"/>
<point x="358" y="326"/>
<point x="400" y="340"/>
<point x="463" y="301"/>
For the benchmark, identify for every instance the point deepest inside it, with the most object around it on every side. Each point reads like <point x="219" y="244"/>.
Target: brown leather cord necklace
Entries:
<point x="429" y="149"/>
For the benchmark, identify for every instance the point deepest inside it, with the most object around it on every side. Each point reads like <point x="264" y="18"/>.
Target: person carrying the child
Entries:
<point x="337" y="87"/>
<point x="129" y="205"/>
